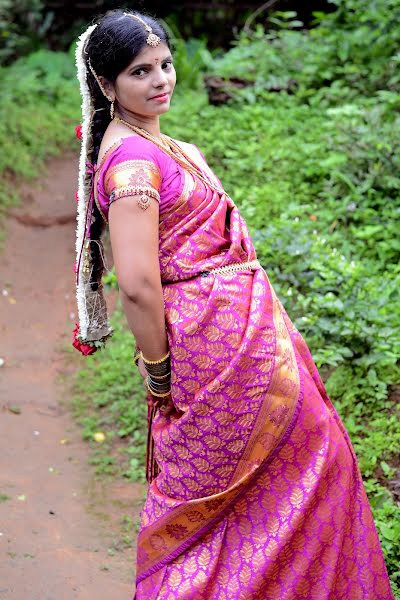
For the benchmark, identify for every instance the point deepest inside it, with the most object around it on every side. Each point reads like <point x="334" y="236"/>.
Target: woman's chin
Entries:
<point x="163" y="108"/>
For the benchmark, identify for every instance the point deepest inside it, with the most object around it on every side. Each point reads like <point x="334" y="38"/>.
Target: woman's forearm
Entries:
<point x="145" y="315"/>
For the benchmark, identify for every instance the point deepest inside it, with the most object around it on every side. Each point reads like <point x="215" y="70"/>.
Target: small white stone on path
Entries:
<point x="36" y="432"/>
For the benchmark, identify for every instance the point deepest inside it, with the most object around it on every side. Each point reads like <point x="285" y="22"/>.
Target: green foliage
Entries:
<point x="351" y="51"/>
<point x="110" y="398"/>
<point x="39" y="106"/>
<point x="23" y="27"/>
<point x="191" y="58"/>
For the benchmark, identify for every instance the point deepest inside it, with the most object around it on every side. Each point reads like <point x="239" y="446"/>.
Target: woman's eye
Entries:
<point x="139" y="72"/>
<point x="167" y="64"/>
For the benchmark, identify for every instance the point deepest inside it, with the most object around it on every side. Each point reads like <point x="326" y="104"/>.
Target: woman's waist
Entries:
<point x="183" y="269"/>
<point x="249" y="265"/>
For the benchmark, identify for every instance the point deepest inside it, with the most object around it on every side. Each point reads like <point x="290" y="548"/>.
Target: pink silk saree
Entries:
<point x="259" y="496"/>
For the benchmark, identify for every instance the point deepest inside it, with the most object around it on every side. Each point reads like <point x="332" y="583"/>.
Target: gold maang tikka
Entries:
<point x="101" y="86"/>
<point x="152" y="39"/>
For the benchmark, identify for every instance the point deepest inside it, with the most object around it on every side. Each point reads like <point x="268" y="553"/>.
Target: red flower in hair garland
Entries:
<point x="86" y="349"/>
<point x="78" y="132"/>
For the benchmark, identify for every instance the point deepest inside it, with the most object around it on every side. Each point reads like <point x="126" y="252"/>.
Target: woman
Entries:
<point x="254" y="489"/>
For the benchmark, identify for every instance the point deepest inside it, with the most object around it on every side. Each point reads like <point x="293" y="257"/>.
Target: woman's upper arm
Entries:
<point x="131" y="184"/>
<point x="134" y="235"/>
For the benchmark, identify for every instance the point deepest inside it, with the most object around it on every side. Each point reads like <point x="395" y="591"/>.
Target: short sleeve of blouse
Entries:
<point x="131" y="169"/>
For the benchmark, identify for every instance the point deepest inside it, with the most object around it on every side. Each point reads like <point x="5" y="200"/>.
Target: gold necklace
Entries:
<point x="170" y="147"/>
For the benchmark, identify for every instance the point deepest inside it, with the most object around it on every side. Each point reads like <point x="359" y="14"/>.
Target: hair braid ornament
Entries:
<point x="93" y="327"/>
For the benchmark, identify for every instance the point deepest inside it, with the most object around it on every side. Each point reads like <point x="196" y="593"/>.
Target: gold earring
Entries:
<point x="112" y="111"/>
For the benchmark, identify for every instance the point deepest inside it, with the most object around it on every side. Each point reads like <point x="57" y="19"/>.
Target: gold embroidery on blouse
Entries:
<point x="140" y="178"/>
<point x="133" y="172"/>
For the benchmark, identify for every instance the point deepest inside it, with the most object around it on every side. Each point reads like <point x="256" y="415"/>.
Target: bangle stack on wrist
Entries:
<point x="158" y="380"/>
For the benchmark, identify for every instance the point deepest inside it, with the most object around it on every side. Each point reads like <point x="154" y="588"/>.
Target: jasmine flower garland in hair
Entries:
<point x="93" y="328"/>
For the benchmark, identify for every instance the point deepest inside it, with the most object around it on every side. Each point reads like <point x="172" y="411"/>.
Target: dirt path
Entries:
<point x="56" y="523"/>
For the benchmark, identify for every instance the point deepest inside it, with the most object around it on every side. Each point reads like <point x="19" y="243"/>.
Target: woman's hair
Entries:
<point x="111" y="47"/>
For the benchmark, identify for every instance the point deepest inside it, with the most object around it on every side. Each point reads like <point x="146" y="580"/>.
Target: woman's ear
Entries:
<point x="108" y="87"/>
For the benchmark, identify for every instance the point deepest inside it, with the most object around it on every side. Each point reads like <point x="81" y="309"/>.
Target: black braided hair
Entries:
<point x="111" y="47"/>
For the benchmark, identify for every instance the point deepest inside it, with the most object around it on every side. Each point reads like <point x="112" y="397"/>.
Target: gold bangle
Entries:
<point x="136" y="358"/>
<point x="163" y="395"/>
<point x="155" y="362"/>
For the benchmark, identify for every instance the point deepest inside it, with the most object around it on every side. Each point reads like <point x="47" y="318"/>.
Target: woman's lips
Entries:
<point x="161" y="97"/>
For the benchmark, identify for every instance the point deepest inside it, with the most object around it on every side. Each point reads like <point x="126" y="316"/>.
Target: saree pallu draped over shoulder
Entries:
<point x="258" y="496"/>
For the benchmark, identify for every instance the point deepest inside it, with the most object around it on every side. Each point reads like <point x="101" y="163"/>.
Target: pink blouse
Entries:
<point x="136" y="166"/>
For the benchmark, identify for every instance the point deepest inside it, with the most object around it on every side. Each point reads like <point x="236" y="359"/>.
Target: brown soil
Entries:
<point x="57" y="523"/>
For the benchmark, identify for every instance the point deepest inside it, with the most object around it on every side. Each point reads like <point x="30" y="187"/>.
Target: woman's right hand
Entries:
<point x="165" y="405"/>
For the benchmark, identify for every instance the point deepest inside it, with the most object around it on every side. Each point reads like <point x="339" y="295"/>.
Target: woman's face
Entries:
<point x="145" y="87"/>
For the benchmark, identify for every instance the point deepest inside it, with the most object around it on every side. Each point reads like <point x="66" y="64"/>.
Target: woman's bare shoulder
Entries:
<point x="112" y="138"/>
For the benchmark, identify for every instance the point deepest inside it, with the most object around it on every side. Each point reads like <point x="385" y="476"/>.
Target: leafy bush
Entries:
<point x="39" y="105"/>
<point x="23" y="27"/>
<point x="353" y="51"/>
<point x="191" y="58"/>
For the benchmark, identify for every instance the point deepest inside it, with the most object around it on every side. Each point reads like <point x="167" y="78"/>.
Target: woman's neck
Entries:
<point x="150" y="124"/>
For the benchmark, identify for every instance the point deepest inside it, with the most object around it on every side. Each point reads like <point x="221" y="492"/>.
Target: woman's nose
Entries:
<point x="160" y="78"/>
